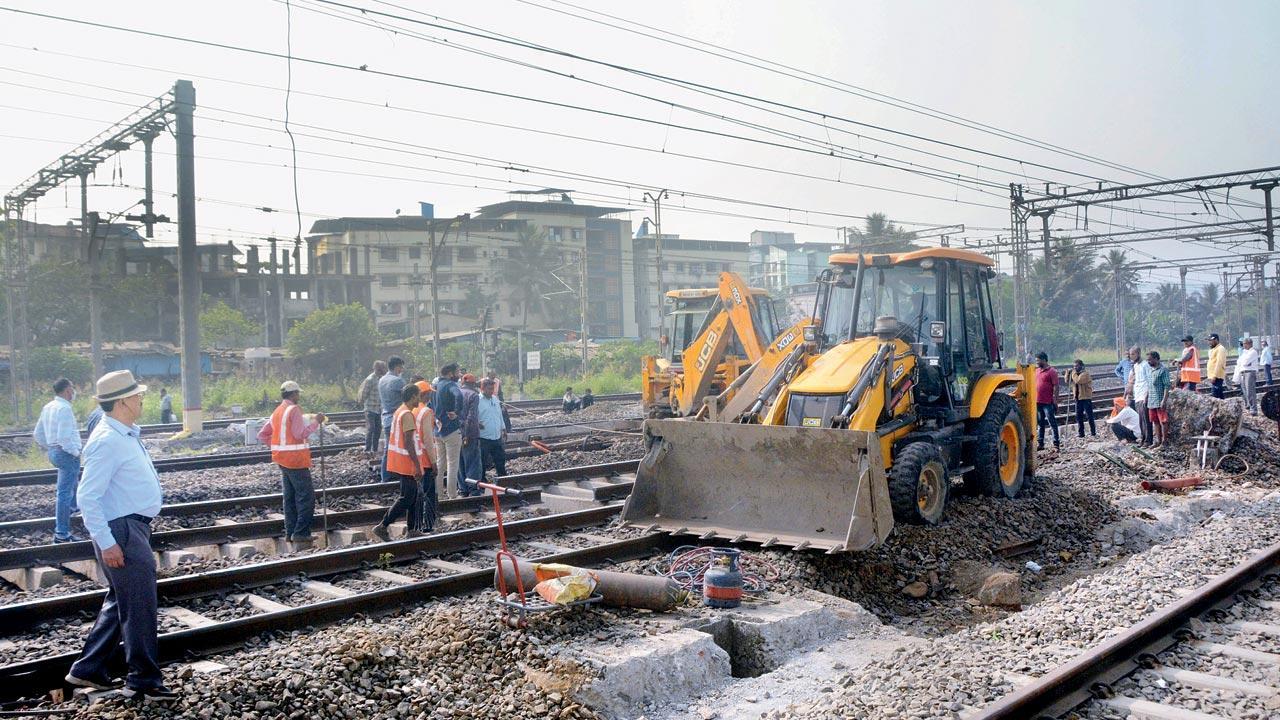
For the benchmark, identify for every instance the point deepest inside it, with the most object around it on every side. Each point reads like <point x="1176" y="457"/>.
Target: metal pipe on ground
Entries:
<point x="646" y="592"/>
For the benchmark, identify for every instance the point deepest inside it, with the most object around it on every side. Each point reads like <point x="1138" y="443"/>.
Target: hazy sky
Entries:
<point x="1171" y="88"/>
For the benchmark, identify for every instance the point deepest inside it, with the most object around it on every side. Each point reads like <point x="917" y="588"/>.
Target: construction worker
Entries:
<point x="404" y="465"/>
<point x="426" y="419"/>
<point x="287" y="434"/>
<point x="1189" y="365"/>
<point x="58" y="434"/>
<point x="1217" y="366"/>
<point x="1081" y="384"/>
<point x="1137" y="390"/>
<point x="1047" y="400"/>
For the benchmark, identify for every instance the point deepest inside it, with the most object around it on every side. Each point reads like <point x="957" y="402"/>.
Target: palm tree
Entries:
<point x="1118" y="277"/>
<point x="527" y="271"/>
<point x="1071" y="285"/>
<point x="880" y="235"/>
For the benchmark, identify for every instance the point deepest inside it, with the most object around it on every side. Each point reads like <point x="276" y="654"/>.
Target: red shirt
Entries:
<point x="1046" y="385"/>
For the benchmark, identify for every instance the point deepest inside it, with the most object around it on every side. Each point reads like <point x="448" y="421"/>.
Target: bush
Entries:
<point x="335" y="342"/>
<point x="50" y="363"/>
<point x="606" y="383"/>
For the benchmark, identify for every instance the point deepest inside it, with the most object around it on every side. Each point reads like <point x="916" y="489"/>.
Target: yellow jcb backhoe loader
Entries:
<point x="719" y="333"/>
<point x="897" y="388"/>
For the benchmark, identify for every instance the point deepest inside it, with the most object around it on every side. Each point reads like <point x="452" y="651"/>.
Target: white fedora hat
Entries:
<point x="118" y="385"/>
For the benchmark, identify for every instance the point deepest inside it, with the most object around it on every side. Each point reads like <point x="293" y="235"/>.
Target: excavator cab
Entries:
<point x="897" y="388"/>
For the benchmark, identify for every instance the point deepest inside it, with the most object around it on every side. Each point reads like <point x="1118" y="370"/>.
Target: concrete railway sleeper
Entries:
<point x="1095" y="679"/>
<point x="32" y="678"/>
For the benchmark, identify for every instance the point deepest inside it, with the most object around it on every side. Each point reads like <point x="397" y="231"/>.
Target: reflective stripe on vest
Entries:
<point x="286" y="450"/>
<point x="399" y="458"/>
<point x="425" y="434"/>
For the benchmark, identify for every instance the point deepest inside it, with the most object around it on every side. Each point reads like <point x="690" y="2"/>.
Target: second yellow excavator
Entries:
<point x="712" y="337"/>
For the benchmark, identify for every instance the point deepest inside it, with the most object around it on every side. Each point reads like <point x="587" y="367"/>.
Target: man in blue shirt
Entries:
<point x="119" y="497"/>
<point x="492" y="429"/>
<point x="57" y="433"/>
<point x="1123" y="368"/>
<point x="390" y="387"/>
<point x="448" y="410"/>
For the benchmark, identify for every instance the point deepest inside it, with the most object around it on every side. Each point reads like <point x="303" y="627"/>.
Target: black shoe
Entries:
<point x="381" y="531"/>
<point x="159" y="693"/>
<point x="93" y="683"/>
<point x="1040" y="447"/>
<point x="67" y="539"/>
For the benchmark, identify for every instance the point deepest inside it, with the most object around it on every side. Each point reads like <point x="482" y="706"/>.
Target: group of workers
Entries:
<point x="1141" y="415"/>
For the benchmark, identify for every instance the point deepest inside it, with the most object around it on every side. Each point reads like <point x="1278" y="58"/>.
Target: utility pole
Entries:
<point x="1266" y="188"/>
<point x="1044" y="223"/>
<point x="1182" y="280"/>
<point x="188" y="272"/>
<point x="656" y="198"/>
<point x="582" y="301"/>
<point x="435" y="286"/>
<point x="10" y="296"/>
<point x="89" y="233"/>
<point x="416" y="281"/>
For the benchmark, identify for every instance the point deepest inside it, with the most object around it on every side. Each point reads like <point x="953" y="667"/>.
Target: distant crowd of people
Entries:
<point x="1141" y="415"/>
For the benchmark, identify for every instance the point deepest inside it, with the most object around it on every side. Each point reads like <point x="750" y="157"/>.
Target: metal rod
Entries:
<point x="188" y="270"/>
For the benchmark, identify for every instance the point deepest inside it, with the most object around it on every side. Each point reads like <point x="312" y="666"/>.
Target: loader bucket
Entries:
<point x="803" y="488"/>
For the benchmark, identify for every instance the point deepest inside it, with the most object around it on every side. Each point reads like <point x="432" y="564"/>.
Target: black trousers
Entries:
<point x="373" y="428"/>
<point x="1084" y="409"/>
<point x="407" y="502"/>
<point x="128" y="611"/>
<point x="1123" y="433"/>
<point x="495" y="455"/>
<point x="1218" y="384"/>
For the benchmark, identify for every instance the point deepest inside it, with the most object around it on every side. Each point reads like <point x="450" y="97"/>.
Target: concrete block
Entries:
<point x="36" y="578"/>
<point x="259" y="603"/>
<point x="669" y="668"/>
<point x="325" y="590"/>
<point x="237" y="550"/>
<point x="395" y="529"/>
<point x="391" y="577"/>
<point x="174" y="558"/>
<point x="187" y="617"/>
<point x="449" y="567"/>
<point x="225" y="521"/>
<point x="269" y="546"/>
<point x="88" y="569"/>
<point x="208" y="667"/>
<point x="346" y="536"/>
<point x="206" y="552"/>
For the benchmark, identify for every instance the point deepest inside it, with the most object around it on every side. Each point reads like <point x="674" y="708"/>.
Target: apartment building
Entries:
<point x="686" y="263"/>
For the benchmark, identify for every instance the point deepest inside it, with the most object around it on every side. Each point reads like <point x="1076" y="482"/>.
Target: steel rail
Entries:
<point x="204" y="507"/>
<point x="342" y="416"/>
<point x="18" y="617"/>
<point x="1069" y="685"/>
<point x="28" y="678"/>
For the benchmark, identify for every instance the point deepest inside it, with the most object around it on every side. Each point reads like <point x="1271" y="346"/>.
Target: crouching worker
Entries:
<point x="1124" y="422"/>
<point x="404" y="465"/>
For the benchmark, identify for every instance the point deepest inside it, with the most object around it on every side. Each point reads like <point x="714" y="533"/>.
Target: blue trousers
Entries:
<point x="299" y="501"/>
<point x="68" y="478"/>
<point x="128" y="612"/>
<point x="472" y="466"/>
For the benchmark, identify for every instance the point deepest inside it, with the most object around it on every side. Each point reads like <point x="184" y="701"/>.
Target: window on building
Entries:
<point x="388" y="254"/>
<point x="614" y="310"/>
<point x="389" y="308"/>
<point x="466" y="254"/>
<point x="610" y="263"/>
<point x="679" y="267"/>
<point x="469" y="280"/>
<point x="556" y="234"/>
<point x="726" y="267"/>
<point x="711" y="267"/>
<point x="415" y="253"/>
<point x="576" y="234"/>
<point x="355" y="266"/>
<point x="444" y="256"/>
<point x="515" y="308"/>
<point x="388" y="281"/>
<point x="612" y="286"/>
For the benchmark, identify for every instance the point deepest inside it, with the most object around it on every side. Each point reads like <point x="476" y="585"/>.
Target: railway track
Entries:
<point x="402" y="573"/>
<point x="1199" y="626"/>
<point x="342" y="418"/>
<point x="515" y="448"/>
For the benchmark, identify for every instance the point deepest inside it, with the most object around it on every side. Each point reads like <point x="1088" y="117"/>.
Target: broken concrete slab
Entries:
<point x="34" y="578"/>
<point x="672" y="667"/>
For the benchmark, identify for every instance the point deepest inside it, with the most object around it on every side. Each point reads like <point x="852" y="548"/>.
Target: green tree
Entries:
<point x="334" y="342"/>
<point x="50" y="363"/>
<point x="58" y="301"/>
<point x="475" y="302"/>
<point x="1117" y="283"/>
<point x="223" y="327"/>
<point x="880" y="235"/>
<point x="527" y="272"/>
<point x="131" y="304"/>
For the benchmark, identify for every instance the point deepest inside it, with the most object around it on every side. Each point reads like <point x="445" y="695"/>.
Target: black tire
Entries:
<point x="919" y="484"/>
<point x="992" y="474"/>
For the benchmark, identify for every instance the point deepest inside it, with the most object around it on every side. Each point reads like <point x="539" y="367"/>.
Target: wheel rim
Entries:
<point x="929" y="491"/>
<point x="1010" y="448"/>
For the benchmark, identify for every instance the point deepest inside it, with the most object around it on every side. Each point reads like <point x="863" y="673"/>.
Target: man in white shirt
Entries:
<point x="119" y="497"/>
<point x="1246" y="375"/>
<point x="1136" y="393"/>
<point x="58" y="435"/>
<point x="1124" y="425"/>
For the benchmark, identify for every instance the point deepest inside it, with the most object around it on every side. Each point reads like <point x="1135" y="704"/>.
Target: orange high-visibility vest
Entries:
<point x="288" y="451"/>
<point x="399" y="457"/>
<point x="426" y="422"/>
<point x="1191" y="369"/>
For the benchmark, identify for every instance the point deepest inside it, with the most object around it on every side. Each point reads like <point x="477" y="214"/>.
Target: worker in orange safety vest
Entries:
<point x="426" y="419"/>
<point x="1189" y="362"/>
<point x="287" y="434"/>
<point x="404" y="465"/>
